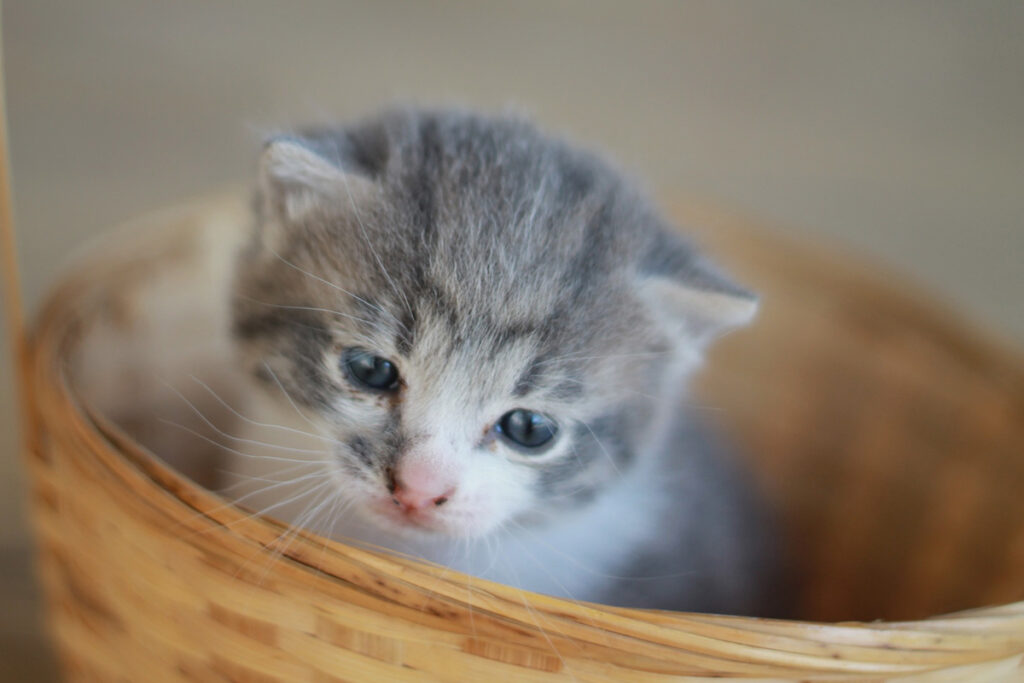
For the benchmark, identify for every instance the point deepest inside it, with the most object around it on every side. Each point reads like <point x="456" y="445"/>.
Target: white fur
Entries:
<point x="575" y="556"/>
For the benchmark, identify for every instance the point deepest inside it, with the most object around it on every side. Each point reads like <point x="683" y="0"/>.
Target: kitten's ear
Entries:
<point x="698" y="300"/>
<point x="295" y="178"/>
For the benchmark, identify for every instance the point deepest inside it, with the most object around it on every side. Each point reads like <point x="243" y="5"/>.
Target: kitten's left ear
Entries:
<point x="699" y="301"/>
<point x="294" y="178"/>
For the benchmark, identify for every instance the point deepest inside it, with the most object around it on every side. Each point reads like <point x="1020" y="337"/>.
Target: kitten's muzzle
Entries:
<point x="417" y="487"/>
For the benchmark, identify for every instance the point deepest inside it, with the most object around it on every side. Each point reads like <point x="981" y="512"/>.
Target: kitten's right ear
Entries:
<point x="294" y="179"/>
<point x="697" y="300"/>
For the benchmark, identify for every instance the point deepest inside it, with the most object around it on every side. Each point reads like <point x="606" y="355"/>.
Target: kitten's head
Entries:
<point x="483" y="319"/>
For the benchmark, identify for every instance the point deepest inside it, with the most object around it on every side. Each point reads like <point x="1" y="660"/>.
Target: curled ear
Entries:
<point x="692" y="295"/>
<point x="294" y="178"/>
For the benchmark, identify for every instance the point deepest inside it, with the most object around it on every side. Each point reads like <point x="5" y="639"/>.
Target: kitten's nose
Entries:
<point x="417" y="485"/>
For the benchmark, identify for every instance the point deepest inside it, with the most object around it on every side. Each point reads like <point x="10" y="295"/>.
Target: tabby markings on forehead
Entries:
<point x="424" y="184"/>
<point x="405" y="337"/>
<point x="511" y="333"/>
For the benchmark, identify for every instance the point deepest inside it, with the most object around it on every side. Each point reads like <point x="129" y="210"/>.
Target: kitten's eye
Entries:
<point x="370" y="370"/>
<point x="526" y="429"/>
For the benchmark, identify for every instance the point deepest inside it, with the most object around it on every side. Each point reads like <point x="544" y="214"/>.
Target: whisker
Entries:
<point x="317" y="309"/>
<point x="288" y="396"/>
<point x="337" y="287"/>
<point x="218" y="444"/>
<point x="301" y="523"/>
<point x="246" y="478"/>
<point x="281" y="503"/>
<point x="335" y="514"/>
<point x="256" y="442"/>
<point x="233" y="503"/>
<point x="291" y="529"/>
<point x="257" y="423"/>
<point x="611" y="460"/>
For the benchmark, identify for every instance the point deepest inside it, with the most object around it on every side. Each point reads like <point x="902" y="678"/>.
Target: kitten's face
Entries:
<point x="470" y="312"/>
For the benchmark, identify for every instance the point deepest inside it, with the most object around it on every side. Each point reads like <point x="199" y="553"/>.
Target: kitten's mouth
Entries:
<point x="424" y="520"/>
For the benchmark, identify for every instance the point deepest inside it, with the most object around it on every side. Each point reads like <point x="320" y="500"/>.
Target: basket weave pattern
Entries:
<point x="890" y="439"/>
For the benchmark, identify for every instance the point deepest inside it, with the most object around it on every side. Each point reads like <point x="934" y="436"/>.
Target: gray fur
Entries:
<point x="492" y="257"/>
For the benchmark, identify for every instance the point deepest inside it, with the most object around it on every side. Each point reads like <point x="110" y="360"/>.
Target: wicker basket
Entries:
<point x="890" y="438"/>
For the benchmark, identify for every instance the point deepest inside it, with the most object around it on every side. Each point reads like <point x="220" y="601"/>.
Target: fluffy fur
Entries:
<point x="497" y="269"/>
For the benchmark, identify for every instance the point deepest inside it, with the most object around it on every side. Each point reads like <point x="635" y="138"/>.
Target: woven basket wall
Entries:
<point x="889" y="437"/>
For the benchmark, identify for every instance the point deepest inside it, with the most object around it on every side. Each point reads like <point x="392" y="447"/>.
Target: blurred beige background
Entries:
<point x="896" y="128"/>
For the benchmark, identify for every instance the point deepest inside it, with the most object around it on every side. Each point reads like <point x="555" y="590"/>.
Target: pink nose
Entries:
<point x="417" y="485"/>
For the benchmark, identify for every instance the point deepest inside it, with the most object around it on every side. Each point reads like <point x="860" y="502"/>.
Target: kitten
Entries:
<point x="472" y="342"/>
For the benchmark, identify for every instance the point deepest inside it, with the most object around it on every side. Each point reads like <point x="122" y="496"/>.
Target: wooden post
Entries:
<point x="14" y="315"/>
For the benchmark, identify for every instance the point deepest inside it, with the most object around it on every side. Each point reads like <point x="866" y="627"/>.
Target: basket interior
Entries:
<point x="889" y="438"/>
<point x="888" y="434"/>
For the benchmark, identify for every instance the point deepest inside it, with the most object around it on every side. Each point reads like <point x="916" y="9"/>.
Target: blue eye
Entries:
<point x="369" y="370"/>
<point x="527" y="429"/>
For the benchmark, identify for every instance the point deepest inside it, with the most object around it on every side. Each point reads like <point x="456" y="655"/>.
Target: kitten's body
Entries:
<point x="500" y="272"/>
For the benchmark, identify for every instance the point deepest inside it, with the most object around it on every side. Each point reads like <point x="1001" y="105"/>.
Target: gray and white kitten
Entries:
<point x="473" y="342"/>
